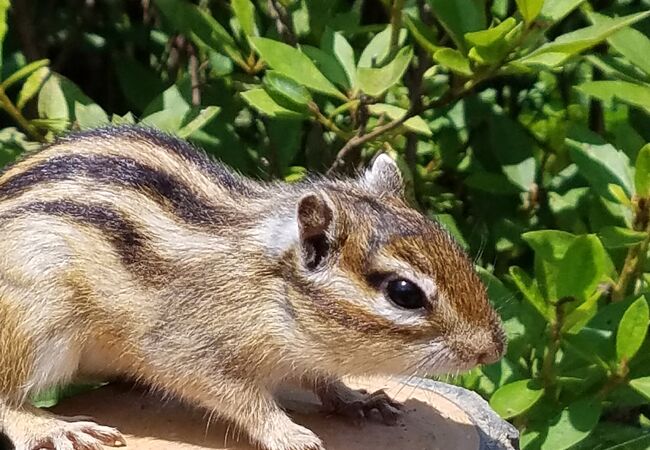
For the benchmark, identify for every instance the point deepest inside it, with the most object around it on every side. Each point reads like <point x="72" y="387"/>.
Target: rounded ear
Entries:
<point x="384" y="177"/>
<point x="315" y="218"/>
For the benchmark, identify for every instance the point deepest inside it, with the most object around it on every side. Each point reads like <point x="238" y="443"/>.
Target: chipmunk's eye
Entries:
<point x="405" y="294"/>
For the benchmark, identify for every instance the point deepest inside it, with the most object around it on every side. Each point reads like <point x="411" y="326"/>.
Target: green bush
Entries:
<point x="522" y="126"/>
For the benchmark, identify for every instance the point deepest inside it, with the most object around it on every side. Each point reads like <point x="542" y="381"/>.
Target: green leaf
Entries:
<point x="459" y="17"/>
<point x="126" y="119"/>
<point x="453" y="60"/>
<point x="642" y="386"/>
<point x="32" y="86"/>
<point x="24" y="72"/>
<point x="556" y="10"/>
<point x="192" y="21"/>
<point x="90" y="116"/>
<point x="632" y="330"/>
<point x="599" y="162"/>
<point x="202" y="119"/>
<point x="264" y="103"/>
<point x="57" y="98"/>
<point x="245" y="12"/>
<point x="582" y="39"/>
<point x="573" y="424"/>
<point x="378" y="49"/>
<point x="52" y="396"/>
<point x="328" y="65"/>
<point x="516" y="398"/>
<point x="294" y="64"/>
<point x="642" y="172"/>
<point x="415" y="124"/>
<point x="630" y="93"/>
<point x="582" y="268"/>
<point x="530" y="9"/>
<point x="167" y="112"/>
<point x="336" y="44"/>
<point x="619" y="194"/>
<point x="491" y="36"/>
<point x="551" y="245"/>
<point x="528" y="287"/>
<point x="579" y="317"/>
<point x="631" y="43"/>
<point x="287" y="92"/>
<point x="375" y="82"/>
<point x="619" y="237"/>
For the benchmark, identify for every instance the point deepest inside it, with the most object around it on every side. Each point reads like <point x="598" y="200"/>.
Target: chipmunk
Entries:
<point x="127" y="252"/>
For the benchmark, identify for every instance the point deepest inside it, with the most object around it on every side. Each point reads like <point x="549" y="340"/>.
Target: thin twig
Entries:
<point x="396" y="27"/>
<point x="636" y="255"/>
<point x="10" y="108"/>
<point x="283" y="22"/>
<point x="193" y="64"/>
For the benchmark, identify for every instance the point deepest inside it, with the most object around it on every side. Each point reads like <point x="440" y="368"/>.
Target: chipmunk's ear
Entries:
<point x="384" y="177"/>
<point x="314" y="224"/>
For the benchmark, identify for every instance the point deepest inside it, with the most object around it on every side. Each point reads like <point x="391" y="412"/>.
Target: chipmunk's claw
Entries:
<point x="359" y="405"/>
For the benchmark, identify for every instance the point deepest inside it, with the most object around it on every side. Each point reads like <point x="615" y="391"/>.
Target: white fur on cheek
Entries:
<point x="277" y="234"/>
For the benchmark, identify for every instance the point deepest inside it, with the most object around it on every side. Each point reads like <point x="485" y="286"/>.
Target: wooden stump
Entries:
<point x="436" y="417"/>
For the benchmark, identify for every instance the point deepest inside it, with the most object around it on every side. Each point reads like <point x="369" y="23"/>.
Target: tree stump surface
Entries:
<point x="436" y="416"/>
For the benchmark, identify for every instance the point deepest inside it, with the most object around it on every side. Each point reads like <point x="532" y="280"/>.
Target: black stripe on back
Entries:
<point x="130" y="243"/>
<point x="195" y="156"/>
<point x="162" y="187"/>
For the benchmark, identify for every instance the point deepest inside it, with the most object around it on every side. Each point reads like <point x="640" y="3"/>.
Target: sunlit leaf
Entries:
<point x="631" y="43"/>
<point x="415" y="124"/>
<point x="262" y="102"/>
<point x="582" y="39"/>
<point x="245" y="12"/>
<point x="294" y="64"/>
<point x="631" y="93"/>
<point x="618" y="237"/>
<point x="529" y="289"/>
<point x="573" y="424"/>
<point x="530" y="9"/>
<point x="581" y="268"/>
<point x="201" y="120"/>
<point x="24" y="72"/>
<point x="375" y="82"/>
<point x="90" y="116"/>
<point x="632" y="329"/>
<point x="459" y="17"/>
<point x="454" y="61"/>
<point x="642" y="172"/>
<point x="514" y="399"/>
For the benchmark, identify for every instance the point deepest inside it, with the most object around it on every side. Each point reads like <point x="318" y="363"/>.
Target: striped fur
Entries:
<point x="129" y="253"/>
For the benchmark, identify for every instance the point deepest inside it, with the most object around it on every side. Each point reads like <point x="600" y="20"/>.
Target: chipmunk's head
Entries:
<point x="381" y="287"/>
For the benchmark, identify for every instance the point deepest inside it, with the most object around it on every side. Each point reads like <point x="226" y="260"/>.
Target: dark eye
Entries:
<point x="406" y="294"/>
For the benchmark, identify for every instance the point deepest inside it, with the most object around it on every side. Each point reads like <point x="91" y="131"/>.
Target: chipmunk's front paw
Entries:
<point x="297" y="438"/>
<point x="69" y="434"/>
<point x="359" y="405"/>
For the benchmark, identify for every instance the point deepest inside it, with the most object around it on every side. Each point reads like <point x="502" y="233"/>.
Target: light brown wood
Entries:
<point x="430" y="421"/>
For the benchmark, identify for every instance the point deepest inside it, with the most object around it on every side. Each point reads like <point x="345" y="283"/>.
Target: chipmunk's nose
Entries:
<point x="488" y="357"/>
<point x="495" y="351"/>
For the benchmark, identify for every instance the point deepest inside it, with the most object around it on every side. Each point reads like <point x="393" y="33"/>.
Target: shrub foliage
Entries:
<point x="523" y="126"/>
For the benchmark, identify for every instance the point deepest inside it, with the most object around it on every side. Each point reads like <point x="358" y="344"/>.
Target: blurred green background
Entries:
<point x="522" y="126"/>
